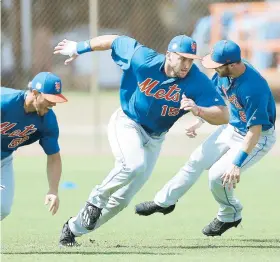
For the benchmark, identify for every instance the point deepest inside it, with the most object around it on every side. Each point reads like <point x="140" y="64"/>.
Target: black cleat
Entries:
<point x="217" y="228"/>
<point x="150" y="207"/>
<point x="67" y="238"/>
<point x="90" y="215"/>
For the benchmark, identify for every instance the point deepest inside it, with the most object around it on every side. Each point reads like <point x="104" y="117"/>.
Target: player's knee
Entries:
<point x="214" y="178"/>
<point x="5" y="211"/>
<point x="135" y="168"/>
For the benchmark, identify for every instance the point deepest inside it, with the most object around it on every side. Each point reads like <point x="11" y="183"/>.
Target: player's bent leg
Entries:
<point x="182" y="181"/>
<point x="120" y="199"/>
<point x="6" y="187"/>
<point x="99" y="197"/>
<point x="90" y="217"/>
<point x="120" y="176"/>
<point x="130" y="162"/>
<point x="230" y="207"/>
<point x="229" y="214"/>
<point x="165" y="200"/>
<point x="130" y="159"/>
<point x="201" y="159"/>
<point x="142" y="154"/>
<point x="117" y="202"/>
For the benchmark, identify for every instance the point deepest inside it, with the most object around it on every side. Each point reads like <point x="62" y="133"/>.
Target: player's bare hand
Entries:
<point x="188" y="104"/>
<point x="67" y="47"/>
<point x="232" y="177"/>
<point x="53" y="201"/>
<point x="191" y="130"/>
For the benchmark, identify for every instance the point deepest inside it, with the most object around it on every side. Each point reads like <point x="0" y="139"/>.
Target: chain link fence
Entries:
<point x="31" y="28"/>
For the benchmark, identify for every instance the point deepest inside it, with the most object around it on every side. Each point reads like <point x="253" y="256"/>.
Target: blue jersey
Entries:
<point x="151" y="98"/>
<point x="19" y="128"/>
<point x="250" y="99"/>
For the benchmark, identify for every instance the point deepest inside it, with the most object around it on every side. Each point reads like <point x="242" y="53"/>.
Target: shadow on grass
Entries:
<point x="145" y="250"/>
<point x="88" y="253"/>
<point x="261" y="240"/>
<point x="208" y="239"/>
<point x="157" y="250"/>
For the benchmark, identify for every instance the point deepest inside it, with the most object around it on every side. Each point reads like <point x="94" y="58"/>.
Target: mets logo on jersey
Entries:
<point x="193" y="47"/>
<point x="57" y="87"/>
<point x="173" y="94"/>
<point x="19" y="136"/>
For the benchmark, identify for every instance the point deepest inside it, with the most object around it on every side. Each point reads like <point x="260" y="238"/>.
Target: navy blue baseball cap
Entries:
<point x="184" y="46"/>
<point x="223" y="52"/>
<point x="49" y="85"/>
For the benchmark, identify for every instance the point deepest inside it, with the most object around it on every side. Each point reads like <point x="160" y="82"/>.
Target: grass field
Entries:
<point x="31" y="233"/>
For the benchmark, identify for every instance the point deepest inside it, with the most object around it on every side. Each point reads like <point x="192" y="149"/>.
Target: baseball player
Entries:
<point x="232" y="148"/>
<point x="27" y="116"/>
<point x="153" y="89"/>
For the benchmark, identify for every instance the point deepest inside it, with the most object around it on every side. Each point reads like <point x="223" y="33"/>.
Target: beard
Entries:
<point x="40" y="110"/>
<point x="179" y="73"/>
<point x="223" y="72"/>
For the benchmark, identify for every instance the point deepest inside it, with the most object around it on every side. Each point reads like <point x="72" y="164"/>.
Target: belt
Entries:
<point x="266" y="132"/>
<point x="151" y="132"/>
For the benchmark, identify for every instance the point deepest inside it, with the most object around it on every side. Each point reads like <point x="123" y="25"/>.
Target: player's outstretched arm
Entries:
<point x="54" y="169"/>
<point x="73" y="49"/>
<point x="214" y="115"/>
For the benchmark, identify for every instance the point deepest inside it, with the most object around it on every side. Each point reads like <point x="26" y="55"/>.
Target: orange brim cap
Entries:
<point x="59" y="98"/>
<point x="207" y="62"/>
<point x="187" y="55"/>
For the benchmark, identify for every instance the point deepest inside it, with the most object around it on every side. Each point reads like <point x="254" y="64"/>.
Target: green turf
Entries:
<point x="31" y="233"/>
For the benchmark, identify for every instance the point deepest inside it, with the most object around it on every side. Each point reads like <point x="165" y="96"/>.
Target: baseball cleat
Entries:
<point x="90" y="215"/>
<point x="217" y="228"/>
<point x="67" y="238"/>
<point x="150" y="207"/>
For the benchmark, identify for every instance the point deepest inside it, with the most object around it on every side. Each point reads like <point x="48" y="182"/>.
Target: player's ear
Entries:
<point x="35" y="93"/>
